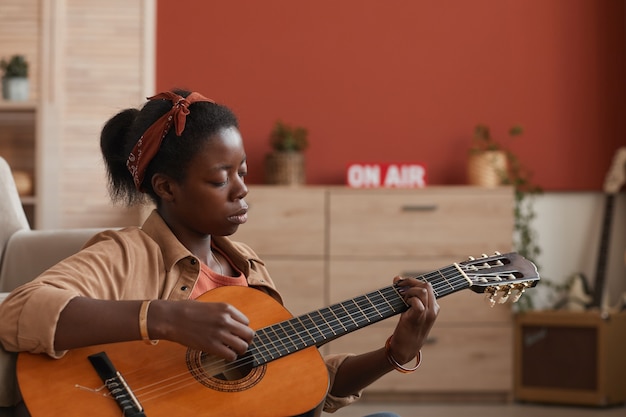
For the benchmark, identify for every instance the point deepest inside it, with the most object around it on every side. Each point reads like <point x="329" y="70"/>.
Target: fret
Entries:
<point x="302" y="343"/>
<point x="446" y="280"/>
<point x="321" y="323"/>
<point x="357" y="313"/>
<point x="373" y="306"/>
<point x="278" y="339"/>
<point x="344" y="307"/>
<point x="311" y="327"/>
<point x="265" y="347"/>
<point x="302" y="330"/>
<point x="335" y="326"/>
<point x="288" y="343"/>
<point x="337" y="312"/>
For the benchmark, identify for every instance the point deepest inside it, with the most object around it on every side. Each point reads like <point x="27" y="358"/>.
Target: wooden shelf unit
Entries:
<point x="18" y="134"/>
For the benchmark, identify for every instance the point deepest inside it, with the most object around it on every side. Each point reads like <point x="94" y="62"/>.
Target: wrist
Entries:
<point x="397" y="365"/>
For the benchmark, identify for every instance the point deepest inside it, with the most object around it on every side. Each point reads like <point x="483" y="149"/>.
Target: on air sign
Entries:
<point x="390" y="175"/>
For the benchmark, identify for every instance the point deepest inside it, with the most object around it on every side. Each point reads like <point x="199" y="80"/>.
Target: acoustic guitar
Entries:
<point x="580" y="296"/>
<point x="613" y="181"/>
<point x="282" y="373"/>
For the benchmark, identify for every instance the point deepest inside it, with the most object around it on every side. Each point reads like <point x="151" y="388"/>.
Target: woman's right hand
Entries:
<point x="218" y="329"/>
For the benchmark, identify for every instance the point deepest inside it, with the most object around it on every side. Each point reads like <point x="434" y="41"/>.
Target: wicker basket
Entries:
<point x="285" y="168"/>
<point x="487" y="169"/>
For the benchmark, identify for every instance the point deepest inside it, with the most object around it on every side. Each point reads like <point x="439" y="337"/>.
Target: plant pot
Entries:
<point x="15" y="88"/>
<point x="285" y="168"/>
<point x="487" y="169"/>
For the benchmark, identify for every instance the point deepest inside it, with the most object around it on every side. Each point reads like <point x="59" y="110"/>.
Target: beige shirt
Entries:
<point x="129" y="264"/>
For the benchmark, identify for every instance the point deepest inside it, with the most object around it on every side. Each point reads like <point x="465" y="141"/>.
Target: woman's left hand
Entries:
<point x="415" y="323"/>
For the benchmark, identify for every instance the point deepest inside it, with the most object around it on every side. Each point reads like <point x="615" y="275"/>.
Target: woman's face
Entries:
<point x="210" y="200"/>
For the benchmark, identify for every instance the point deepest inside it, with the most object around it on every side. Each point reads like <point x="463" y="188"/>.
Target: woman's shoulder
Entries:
<point x="127" y="238"/>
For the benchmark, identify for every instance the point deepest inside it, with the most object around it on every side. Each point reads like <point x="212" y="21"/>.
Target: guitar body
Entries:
<point x="165" y="385"/>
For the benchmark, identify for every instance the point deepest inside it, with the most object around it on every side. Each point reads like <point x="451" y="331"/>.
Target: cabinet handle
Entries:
<point x="419" y="207"/>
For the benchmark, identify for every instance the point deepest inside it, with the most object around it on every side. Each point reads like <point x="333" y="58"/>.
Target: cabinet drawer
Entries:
<point x="349" y="279"/>
<point x="285" y="221"/>
<point x="428" y="222"/>
<point x="456" y="359"/>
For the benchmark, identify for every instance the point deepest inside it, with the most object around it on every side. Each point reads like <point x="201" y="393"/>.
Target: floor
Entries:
<point x="468" y="410"/>
<point x="478" y="410"/>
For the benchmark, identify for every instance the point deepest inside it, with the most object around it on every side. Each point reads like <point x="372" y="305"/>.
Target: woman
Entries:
<point x="186" y="154"/>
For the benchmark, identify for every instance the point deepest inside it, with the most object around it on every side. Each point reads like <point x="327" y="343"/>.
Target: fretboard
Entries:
<point x="322" y="326"/>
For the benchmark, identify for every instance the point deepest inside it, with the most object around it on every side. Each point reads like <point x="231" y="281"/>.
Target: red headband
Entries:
<point x="150" y="142"/>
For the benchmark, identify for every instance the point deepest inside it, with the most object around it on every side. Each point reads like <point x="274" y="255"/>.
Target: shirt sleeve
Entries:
<point x="31" y="312"/>
<point x="332" y="403"/>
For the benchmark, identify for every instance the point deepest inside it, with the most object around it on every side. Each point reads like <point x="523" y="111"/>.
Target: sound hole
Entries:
<point x="220" y="375"/>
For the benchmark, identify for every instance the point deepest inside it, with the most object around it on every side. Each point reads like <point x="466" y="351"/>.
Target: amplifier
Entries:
<point x="570" y="357"/>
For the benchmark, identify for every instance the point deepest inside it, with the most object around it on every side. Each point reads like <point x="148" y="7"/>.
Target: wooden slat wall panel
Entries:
<point x="89" y="59"/>
<point x="103" y="72"/>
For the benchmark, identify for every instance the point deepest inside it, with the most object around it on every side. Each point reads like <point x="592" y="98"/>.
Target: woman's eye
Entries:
<point x="219" y="183"/>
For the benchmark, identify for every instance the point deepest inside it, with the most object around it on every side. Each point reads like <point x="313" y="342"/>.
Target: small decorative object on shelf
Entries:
<point x="23" y="182"/>
<point x="15" y="83"/>
<point x="386" y="175"/>
<point x="489" y="163"/>
<point x="285" y="165"/>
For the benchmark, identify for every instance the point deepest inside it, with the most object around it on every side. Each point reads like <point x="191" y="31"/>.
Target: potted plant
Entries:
<point x="285" y="164"/>
<point x="488" y="163"/>
<point x="15" y="85"/>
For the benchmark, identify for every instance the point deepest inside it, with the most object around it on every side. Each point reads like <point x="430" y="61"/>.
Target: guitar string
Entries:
<point x="247" y="360"/>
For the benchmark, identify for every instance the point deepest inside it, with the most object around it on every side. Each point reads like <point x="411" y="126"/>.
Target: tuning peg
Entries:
<point x="491" y="295"/>
<point x="496" y="253"/>
<point x="520" y="290"/>
<point x="471" y="258"/>
<point x="499" y="263"/>
<point x="484" y="255"/>
<point x="506" y="295"/>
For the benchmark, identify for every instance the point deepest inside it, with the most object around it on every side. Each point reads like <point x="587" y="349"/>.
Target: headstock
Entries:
<point x="616" y="176"/>
<point x="501" y="276"/>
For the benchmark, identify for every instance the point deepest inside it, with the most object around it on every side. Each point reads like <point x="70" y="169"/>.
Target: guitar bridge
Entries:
<point x="117" y="386"/>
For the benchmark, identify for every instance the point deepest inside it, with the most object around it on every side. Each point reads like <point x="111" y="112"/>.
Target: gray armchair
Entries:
<point x="24" y="254"/>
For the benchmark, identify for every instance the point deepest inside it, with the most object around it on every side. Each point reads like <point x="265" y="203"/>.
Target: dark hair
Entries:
<point x="121" y="133"/>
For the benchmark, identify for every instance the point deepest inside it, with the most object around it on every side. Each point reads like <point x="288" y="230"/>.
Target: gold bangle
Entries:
<point x="143" y="323"/>
<point x="395" y="363"/>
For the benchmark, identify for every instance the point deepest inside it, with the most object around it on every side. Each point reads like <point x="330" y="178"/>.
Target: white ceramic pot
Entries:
<point x="15" y="88"/>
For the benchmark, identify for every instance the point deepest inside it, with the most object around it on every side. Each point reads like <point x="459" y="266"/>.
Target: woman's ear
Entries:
<point x="162" y="186"/>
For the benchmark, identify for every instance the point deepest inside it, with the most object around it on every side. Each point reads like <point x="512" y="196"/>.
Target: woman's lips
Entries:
<point x="240" y="217"/>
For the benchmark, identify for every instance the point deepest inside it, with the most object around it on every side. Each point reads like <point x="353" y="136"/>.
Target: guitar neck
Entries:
<point x="322" y="326"/>
<point x="598" y="290"/>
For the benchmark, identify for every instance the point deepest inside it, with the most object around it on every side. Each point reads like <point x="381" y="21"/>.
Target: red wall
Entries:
<point x="407" y="80"/>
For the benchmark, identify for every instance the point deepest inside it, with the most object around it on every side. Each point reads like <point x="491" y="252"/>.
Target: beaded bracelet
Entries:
<point x="395" y="363"/>
<point x="143" y="323"/>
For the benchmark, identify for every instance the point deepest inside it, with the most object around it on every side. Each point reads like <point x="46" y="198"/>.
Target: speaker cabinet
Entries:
<point x="570" y="357"/>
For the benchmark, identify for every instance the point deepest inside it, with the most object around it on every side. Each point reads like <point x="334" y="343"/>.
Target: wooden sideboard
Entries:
<point x="328" y="244"/>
